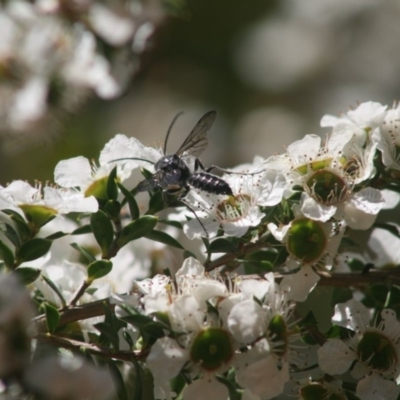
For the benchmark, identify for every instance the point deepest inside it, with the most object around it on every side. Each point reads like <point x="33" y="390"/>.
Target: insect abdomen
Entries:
<point x="209" y="183"/>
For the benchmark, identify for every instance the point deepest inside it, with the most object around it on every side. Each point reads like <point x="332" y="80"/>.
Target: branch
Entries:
<point x="89" y="348"/>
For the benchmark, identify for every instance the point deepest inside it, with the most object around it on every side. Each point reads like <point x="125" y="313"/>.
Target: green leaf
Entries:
<point x="84" y="252"/>
<point x="163" y="237"/>
<point x="56" y="235"/>
<point x="82" y="230"/>
<point x="103" y="230"/>
<point x="156" y="203"/>
<point x="112" y="188"/>
<point x="12" y="235"/>
<point x="33" y="249"/>
<point x="118" y="381"/>
<point x="98" y="269"/>
<point x="222" y="245"/>
<point x="137" y="229"/>
<point x="112" y="208"/>
<point x="150" y="330"/>
<point x="341" y="295"/>
<point x="109" y="333"/>
<point x="52" y="317"/>
<point x="22" y="227"/>
<point x="133" y="207"/>
<point x="27" y="275"/>
<point x="7" y="255"/>
<point x="176" y="224"/>
<point x="55" y="289"/>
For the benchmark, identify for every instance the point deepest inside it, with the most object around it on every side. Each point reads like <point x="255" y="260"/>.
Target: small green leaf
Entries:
<point x="149" y="329"/>
<point x="52" y="317"/>
<point x="176" y="224"/>
<point x="133" y="207"/>
<point x="103" y="230"/>
<point x="163" y="237"/>
<point x="12" y="235"/>
<point x="112" y="188"/>
<point x="56" y="235"/>
<point x="98" y="269"/>
<point x="22" y="227"/>
<point x="84" y="252"/>
<point x="82" y="230"/>
<point x="137" y="229"/>
<point x="112" y="208"/>
<point x="55" y="289"/>
<point x="6" y="255"/>
<point x="33" y="249"/>
<point x="109" y="333"/>
<point x="119" y="381"/>
<point x="222" y="245"/>
<point x="27" y="275"/>
<point x="156" y="203"/>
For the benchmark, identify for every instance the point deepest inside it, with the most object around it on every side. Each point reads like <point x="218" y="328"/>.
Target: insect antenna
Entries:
<point x="132" y="158"/>
<point x="169" y="131"/>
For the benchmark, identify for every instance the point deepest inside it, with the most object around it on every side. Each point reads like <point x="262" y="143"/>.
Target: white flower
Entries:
<point x="364" y="119"/>
<point x="328" y="174"/>
<point x="40" y="205"/>
<point x="264" y="327"/>
<point x="235" y="214"/>
<point x="77" y="171"/>
<point x="374" y="387"/>
<point x="199" y="346"/>
<point x="373" y="348"/>
<point x="387" y="137"/>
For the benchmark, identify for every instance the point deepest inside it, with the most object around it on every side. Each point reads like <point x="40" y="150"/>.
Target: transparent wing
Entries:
<point x="197" y="140"/>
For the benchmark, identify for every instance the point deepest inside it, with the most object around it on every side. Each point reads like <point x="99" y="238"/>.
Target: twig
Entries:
<point x="89" y="348"/>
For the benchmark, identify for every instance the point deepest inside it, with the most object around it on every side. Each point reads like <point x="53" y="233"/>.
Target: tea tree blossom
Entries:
<point x="387" y="137"/>
<point x="372" y="348"/>
<point x="40" y="205"/>
<point x="235" y="214"/>
<point x="91" y="179"/>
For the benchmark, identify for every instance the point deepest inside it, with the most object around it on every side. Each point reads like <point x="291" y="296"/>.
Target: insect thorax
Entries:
<point x="172" y="171"/>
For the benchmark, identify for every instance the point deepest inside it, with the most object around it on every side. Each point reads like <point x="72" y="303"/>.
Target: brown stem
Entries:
<point x="89" y="348"/>
<point x="230" y="257"/>
<point x="79" y="293"/>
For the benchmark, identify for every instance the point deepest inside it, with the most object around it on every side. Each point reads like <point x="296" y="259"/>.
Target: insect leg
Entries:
<point x="181" y="198"/>
<point x="198" y="165"/>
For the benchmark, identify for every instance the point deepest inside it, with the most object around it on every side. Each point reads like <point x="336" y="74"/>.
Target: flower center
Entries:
<point x="278" y="335"/>
<point x="377" y="351"/>
<point x="307" y="240"/>
<point x="234" y="207"/>
<point x="327" y="187"/>
<point x="211" y="348"/>
<point x="38" y="215"/>
<point x="98" y="189"/>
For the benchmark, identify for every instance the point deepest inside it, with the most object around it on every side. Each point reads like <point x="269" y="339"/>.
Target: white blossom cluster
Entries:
<point x="233" y="332"/>
<point x="52" y="55"/>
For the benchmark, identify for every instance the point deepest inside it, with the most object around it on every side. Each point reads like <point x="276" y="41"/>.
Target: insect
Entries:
<point x="173" y="173"/>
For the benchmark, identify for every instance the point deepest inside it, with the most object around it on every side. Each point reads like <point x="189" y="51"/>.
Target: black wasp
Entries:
<point x="172" y="172"/>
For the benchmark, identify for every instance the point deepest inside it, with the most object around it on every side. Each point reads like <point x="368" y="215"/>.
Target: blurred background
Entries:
<point x="271" y="69"/>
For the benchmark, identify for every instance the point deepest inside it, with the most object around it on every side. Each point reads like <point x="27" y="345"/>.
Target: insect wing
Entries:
<point x="197" y="140"/>
<point x="147" y="185"/>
